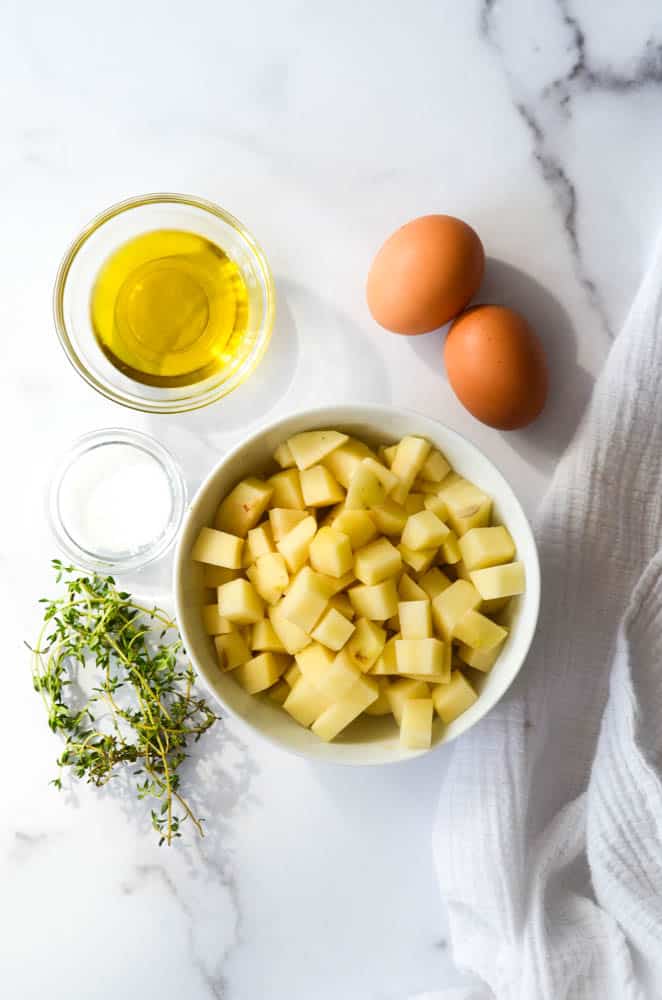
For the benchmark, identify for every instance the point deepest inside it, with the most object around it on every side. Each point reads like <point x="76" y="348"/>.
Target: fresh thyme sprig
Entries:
<point x="142" y="708"/>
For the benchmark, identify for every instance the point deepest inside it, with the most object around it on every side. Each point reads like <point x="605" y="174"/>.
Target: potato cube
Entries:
<point x="279" y="692"/>
<point x="305" y="702"/>
<point x="216" y="576"/>
<point x="424" y="531"/>
<point x="294" y="546"/>
<point x="261" y="672"/>
<point x="416" y="724"/>
<point x="334" y="584"/>
<point x="434" y="582"/>
<point x="478" y="631"/>
<point x="283" y="456"/>
<point x="292" y="637"/>
<point x="449" y="607"/>
<point x="231" y="650"/>
<point x="366" y="645"/>
<point x="331" y="552"/>
<point x="345" y="460"/>
<point x="364" y="490"/>
<point x="493" y="606"/>
<point x="377" y="561"/>
<point x="415" y="619"/>
<point x="269" y="576"/>
<point x="243" y="507"/>
<point x="282" y="521"/>
<point x="213" y="623"/>
<point x="377" y="602"/>
<point x="358" y="525"/>
<point x="319" y="487"/>
<point x="381" y="706"/>
<point x="419" y="561"/>
<point x="425" y="486"/>
<point x="408" y="461"/>
<point x="286" y="488"/>
<point x="260" y="541"/>
<point x="333" y="630"/>
<point x="468" y="506"/>
<point x="387" y="454"/>
<point x="479" y="659"/>
<point x="414" y="503"/>
<point x="264" y="638"/>
<point x="292" y="675"/>
<point x="409" y="590"/>
<point x="390" y="517"/>
<point x="310" y="447"/>
<point x="423" y="657"/>
<point x="339" y="715"/>
<point x="435" y="467"/>
<point x="451" y="700"/>
<point x="315" y="662"/>
<point x="449" y="551"/>
<point x="403" y="690"/>
<point x="342" y="603"/>
<point x="437" y="506"/>
<point x="387" y="478"/>
<point x="239" y="602"/>
<point x="218" y="548"/>
<point x="499" y="581"/>
<point x="306" y="600"/>
<point x="387" y="664"/>
<point x="483" y="547"/>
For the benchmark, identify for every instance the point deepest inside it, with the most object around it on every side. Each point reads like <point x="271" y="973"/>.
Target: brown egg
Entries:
<point x="425" y="274"/>
<point x="497" y="367"/>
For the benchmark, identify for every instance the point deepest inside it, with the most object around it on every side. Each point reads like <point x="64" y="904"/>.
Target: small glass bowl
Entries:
<point x="91" y="249"/>
<point x="79" y="466"/>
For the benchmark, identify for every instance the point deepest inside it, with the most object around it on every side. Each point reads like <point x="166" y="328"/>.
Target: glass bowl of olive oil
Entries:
<point x="164" y="303"/>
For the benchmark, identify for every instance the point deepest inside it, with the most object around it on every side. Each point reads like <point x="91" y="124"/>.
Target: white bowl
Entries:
<point x="369" y="740"/>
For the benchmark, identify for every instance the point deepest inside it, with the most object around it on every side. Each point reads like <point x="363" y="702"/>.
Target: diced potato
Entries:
<point x="331" y="552"/>
<point x="377" y="602"/>
<point x="339" y="715"/>
<point x="390" y="517"/>
<point x="279" y="692"/>
<point x="483" y="547"/>
<point x="231" y="650"/>
<point x="333" y="630"/>
<point x="292" y="675"/>
<point x="403" y="690"/>
<point x="387" y="454"/>
<point x="415" y="619"/>
<point x="292" y="637"/>
<point x="260" y="541"/>
<point x="424" y="531"/>
<point x="414" y="503"/>
<point x="451" y="700"/>
<point x="344" y="461"/>
<point x="407" y="462"/>
<point x="468" y="506"/>
<point x="283" y="456"/>
<point x="315" y="662"/>
<point x="387" y="478"/>
<point x="449" y="550"/>
<point x="381" y="706"/>
<point x="261" y="672"/>
<point x="435" y="467"/>
<point x="319" y="487"/>
<point x="366" y="645"/>
<point x="437" y="506"/>
<point x="269" y="576"/>
<point x="243" y="507"/>
<point x="342" y="603"/>
<point x="218" y="548"/>
<point x="305" y="702"/>
<point x="423" y="657"/>
<point x="425" y="486"/>
<point x="499" y="581"/>
<point x="478" y="631"/>
<point x="358" y="525"/>
<point x="294" y="546"/>
<point x="494" y="605"/>
<point x="286" y="488"/>
<point x="334" y="584"/>
<point x="364" y="490"/>
<point x="310" y="447"/>
<point x="409" y="590"/>
<point x="264" y="638"/>
<point x="377" y="561"/>
<point x="479" y="659"/>
<point x="240" y="603"/>
<point x="387" y="664"/>
<point x="282" y="521"/>
<point x="416" y="724"/>
<point x="216" y="576"/>
<point x="434" y="582"/>
<point x="419" y="561"/>
<point x="213" y="622"/>
<point x="306" y="600"/>
<point x="450" y="606"/>
<point x="339" y="677"/>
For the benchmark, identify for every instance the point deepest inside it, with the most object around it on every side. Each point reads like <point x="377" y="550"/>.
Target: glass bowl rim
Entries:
<point x="196" y="399"/>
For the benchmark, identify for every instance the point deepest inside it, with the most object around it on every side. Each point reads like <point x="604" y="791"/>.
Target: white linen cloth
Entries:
<point x="548" y="840"/>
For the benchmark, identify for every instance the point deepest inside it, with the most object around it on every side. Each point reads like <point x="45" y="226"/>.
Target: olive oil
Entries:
<point x="170" y="308"/>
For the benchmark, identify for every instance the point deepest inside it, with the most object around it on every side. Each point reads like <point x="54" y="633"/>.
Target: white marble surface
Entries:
<point x="323" y="127"/>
